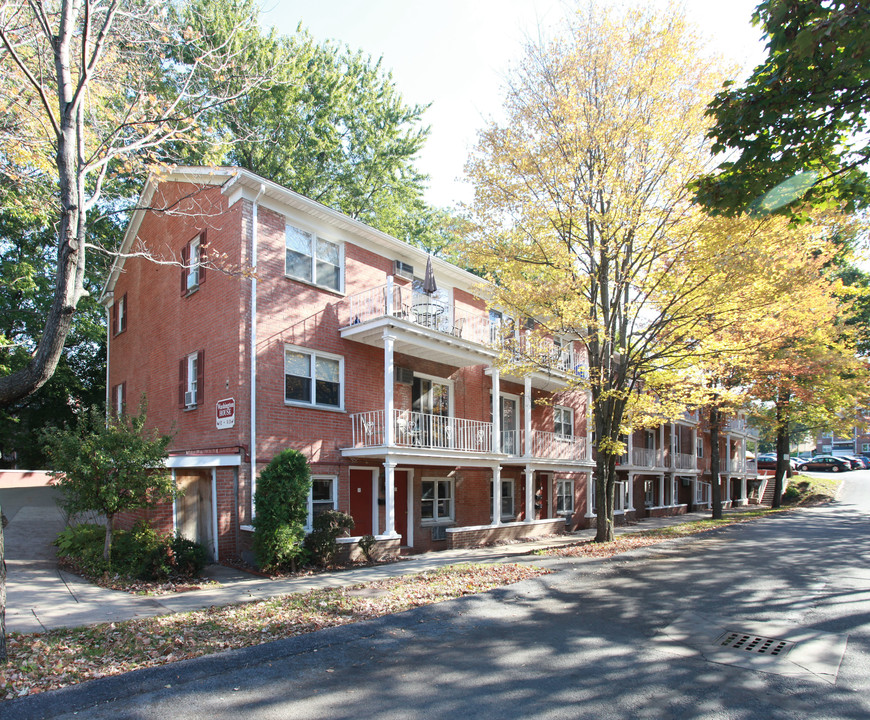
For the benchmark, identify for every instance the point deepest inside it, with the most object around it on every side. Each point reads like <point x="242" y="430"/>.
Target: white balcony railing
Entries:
<point x="645" y="457"/>
<point x="422" y="430"/>
<point x="684" y="461"/>
<point x="550" y="445"/>
<point x="475" y="326"/>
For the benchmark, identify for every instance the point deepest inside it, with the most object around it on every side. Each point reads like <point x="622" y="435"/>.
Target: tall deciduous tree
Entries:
<point x="802" y="117"/>
<point x="585" y="220"/>
<point x="92" y="90"/>
<point x="331" y="125"/>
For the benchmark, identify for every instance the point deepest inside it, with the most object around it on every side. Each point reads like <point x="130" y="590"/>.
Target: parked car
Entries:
<point x="767" y="461"/>
<point x="828" y="463"/>
<point x="858" y="462"/>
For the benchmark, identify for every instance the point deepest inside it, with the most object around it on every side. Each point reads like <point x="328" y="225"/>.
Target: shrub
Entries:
<point x="281" y="504"/>
<point x="139" y="553"/>
<point x="367" y="544"/>
<point x="791" y="494"/>
<point x="321" y="541"/>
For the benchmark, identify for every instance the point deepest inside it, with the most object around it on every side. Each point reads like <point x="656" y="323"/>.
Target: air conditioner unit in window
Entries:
<point x="402" y="269"/>
<point x="439" y="532"/>
<point x="404" y="376"/>
<point x="189" y="398"/>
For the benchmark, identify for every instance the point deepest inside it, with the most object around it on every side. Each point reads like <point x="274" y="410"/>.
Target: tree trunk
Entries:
<point x="604" y="485"/>
<point x="782" y="424"/>
<point x="107" y="545"/>
<point x="2" y="591"/>
<point x="715" y="480"/>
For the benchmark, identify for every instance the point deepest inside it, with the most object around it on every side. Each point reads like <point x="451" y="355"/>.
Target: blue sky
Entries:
<point x="453" y="55"/>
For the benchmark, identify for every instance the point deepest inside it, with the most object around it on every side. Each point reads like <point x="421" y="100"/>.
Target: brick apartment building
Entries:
<point x="337" y="347"/>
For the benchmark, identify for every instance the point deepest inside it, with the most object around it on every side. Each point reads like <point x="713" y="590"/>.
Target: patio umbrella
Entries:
<point x="429" y="286"/>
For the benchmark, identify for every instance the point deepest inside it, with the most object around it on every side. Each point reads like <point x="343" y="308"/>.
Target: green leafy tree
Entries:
<point x="281" y="504"/>
<point x="110" y="466"/>
<point x="799" y="125"/>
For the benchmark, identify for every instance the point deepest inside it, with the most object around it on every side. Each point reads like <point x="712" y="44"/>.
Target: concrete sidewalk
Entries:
<point x="41" y="597"/>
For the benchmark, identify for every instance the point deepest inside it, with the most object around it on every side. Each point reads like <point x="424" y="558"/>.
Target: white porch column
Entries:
<point x="388" y="296"/>
<point x="530" y="493"/>
<point x="673" y="462"/>
<point x="527" y="416"/>
<point x="695" y="445"/>
<point x="660" y="452"/>
<point x="496" y="414"/>
<point x="631" y="448"/>
<point x="390" y="493"/>
<point x="496" y="494"/>
<point x="630" y="492"/>
<point x="389" y="384"/>
<point x="743" y="493"/>
<point x="661" y="490"/>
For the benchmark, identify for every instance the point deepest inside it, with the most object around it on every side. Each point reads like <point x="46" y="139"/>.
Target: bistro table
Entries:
<point x="428" y="314"/>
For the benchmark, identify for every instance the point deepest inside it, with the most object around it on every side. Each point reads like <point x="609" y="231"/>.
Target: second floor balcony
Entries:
<point x="424" y="432"/>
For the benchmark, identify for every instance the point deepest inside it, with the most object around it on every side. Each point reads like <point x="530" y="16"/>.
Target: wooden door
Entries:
<point x="361" y="501"/>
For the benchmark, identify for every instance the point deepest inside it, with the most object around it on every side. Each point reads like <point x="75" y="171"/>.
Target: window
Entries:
<point x="507" y="499"/>
<point x="436" y="500"/>
<point x="321" y="498"/>
<point x="119" y="398"/>
<point x="564" y="497"/>
<point x="865" y="447"/>
<point x="190" y="380"/>
<point x="313" y="259"/>
<point x="563" y="423"/>
<point x="313" y="378"/>
<point x="699" y="447"/>
<point x="193" y="264"/>
<point x="649" y="493"/>
<point x="119" y="315"/>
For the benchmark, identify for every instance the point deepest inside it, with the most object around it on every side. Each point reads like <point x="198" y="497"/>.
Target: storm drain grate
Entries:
<point x="754" y="643"/>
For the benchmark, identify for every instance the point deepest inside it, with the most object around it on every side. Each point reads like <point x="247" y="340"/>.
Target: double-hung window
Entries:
<point x="313" y="378"/>
<point x="436" y="500"/>
<point x="119" y="398"/>
<point x="699" y="447"/>
<point x="563" y="423"/>
<point x="313" y="259"/>
<point x="322" y="497"/>
<point x="119" y="315"/>
<point x="191" y="371"/>
<point x="193" y="264"/>
<point x="564" y="497"/>
<point x="507" y="499"/>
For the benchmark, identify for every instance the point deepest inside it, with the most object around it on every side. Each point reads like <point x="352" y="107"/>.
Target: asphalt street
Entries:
<point x="650" y="634"/>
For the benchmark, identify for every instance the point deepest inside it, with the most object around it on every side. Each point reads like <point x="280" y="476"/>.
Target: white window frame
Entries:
<point x="194" y="258"/>
<point x="509" y="484"/>
<point x="561" y="409"/>
<point x="121" y="314"/>
<point x="314" y="355"/>
<point x="436" y="519"/>
<point x="191" y="380"/>
<point x="865" y="447"/>
<point x="561" y="486"/>
<point x="699" y="447"/>
<point x="119" y="399"/>
<point x="313" y="239"/>
<point x="332" y="502"/>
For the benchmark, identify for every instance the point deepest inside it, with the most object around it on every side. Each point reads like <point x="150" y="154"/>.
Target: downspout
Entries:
<point x="253" y="408"/>
<point x="108" y="356"/>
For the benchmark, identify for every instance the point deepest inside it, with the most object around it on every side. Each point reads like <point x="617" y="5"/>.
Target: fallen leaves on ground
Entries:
<point x="45" y="661"/>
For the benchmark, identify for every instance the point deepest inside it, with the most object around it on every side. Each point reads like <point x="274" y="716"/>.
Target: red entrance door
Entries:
<point x="401" y="503"/>
<point x="361" y="501"/>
